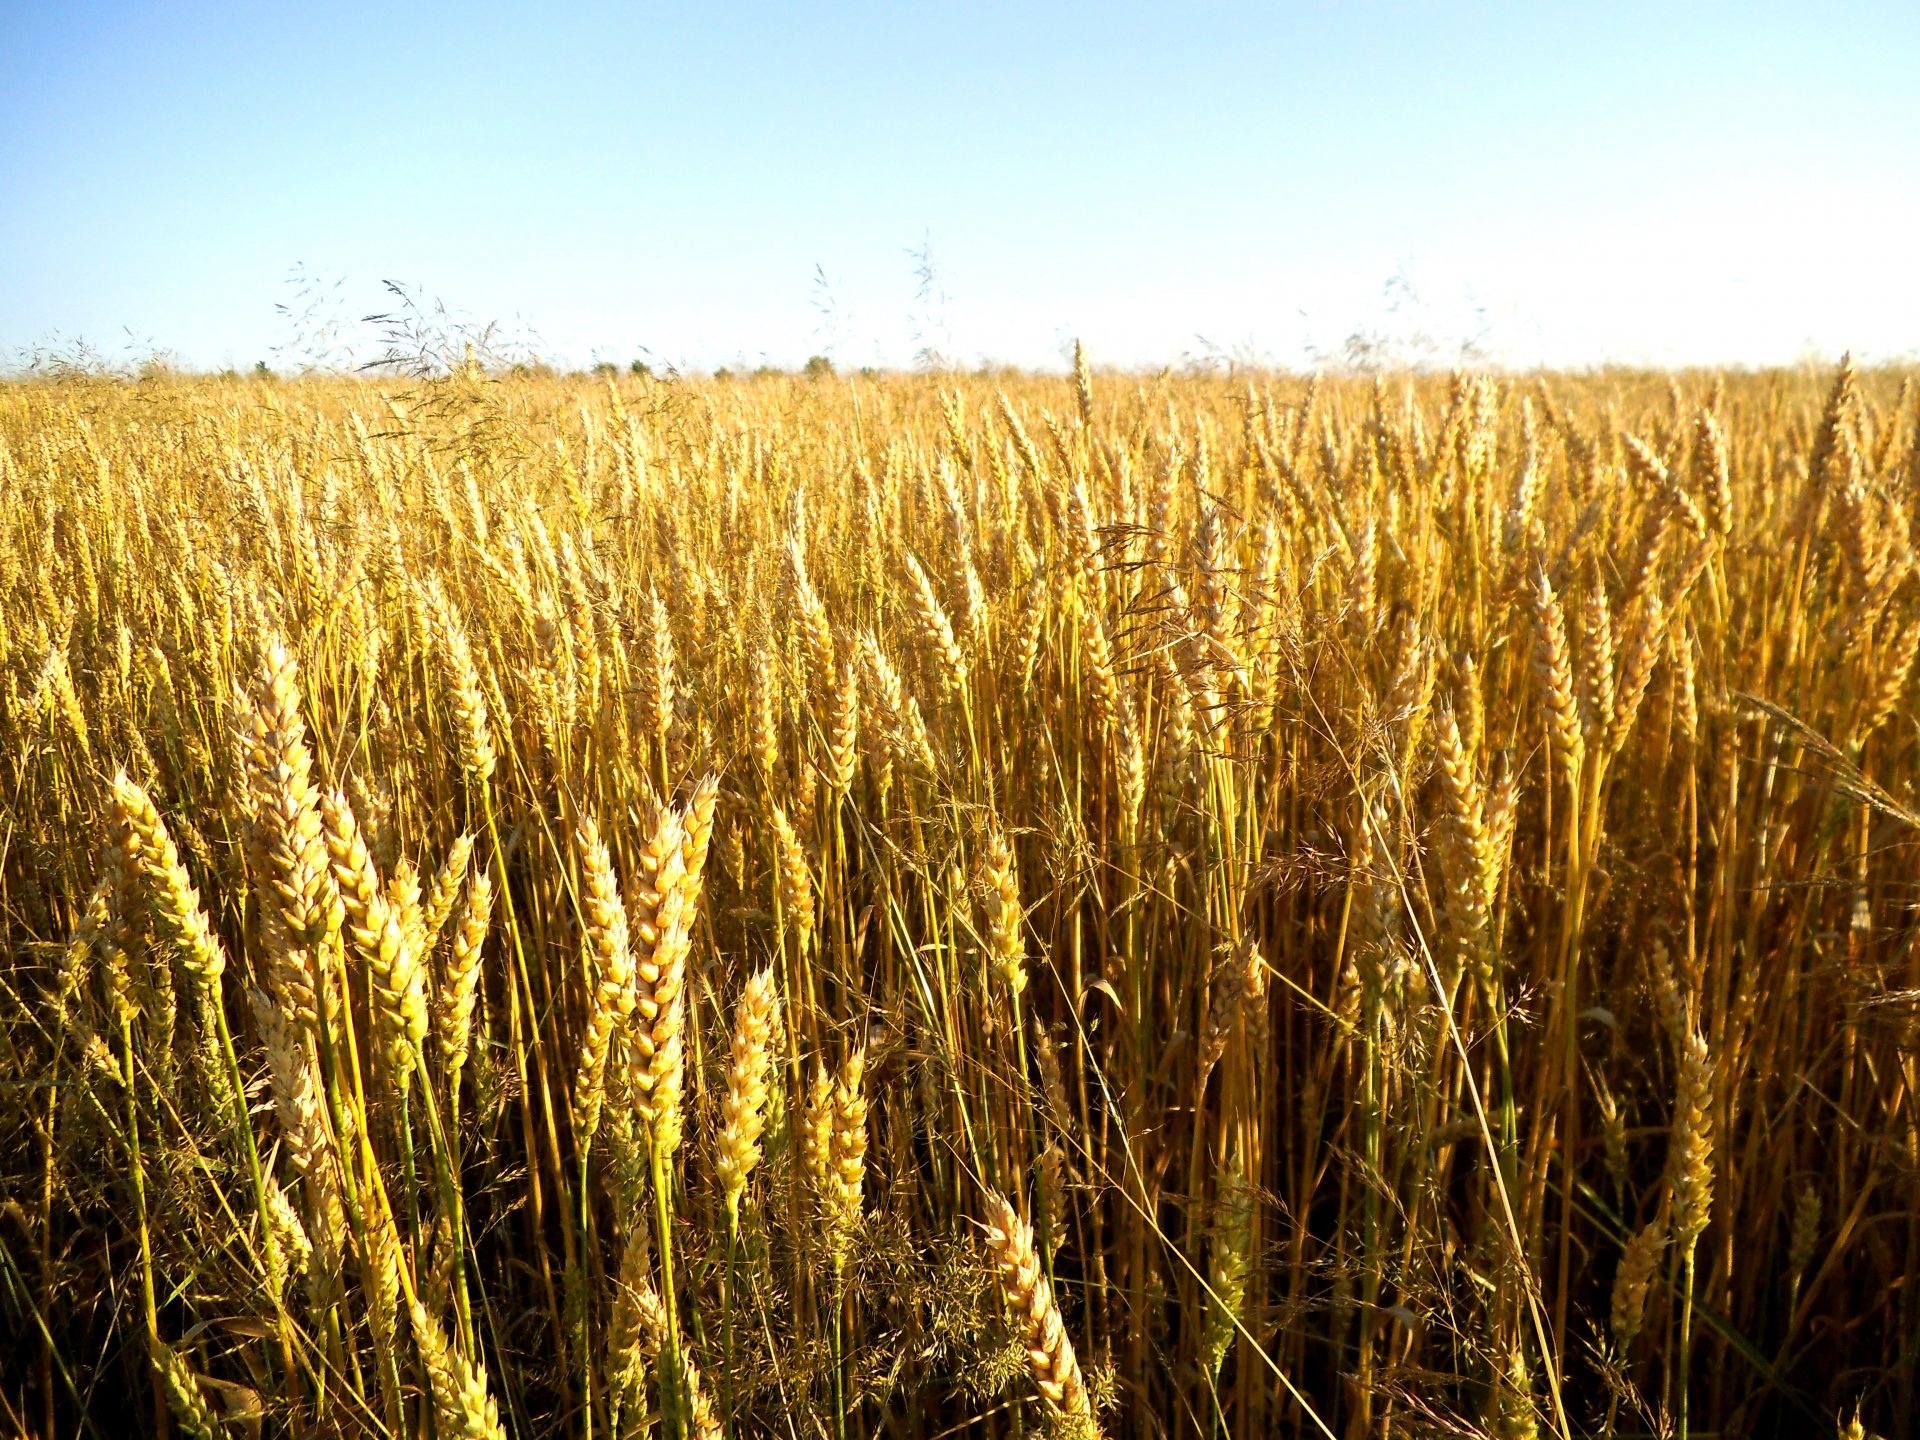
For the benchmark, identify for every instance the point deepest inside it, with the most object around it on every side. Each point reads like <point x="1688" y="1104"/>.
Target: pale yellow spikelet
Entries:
<point x="661" y="920"/>
<point x="377" y="934"/>
<point x="847" y="1174"/>
<point x="460" y="987"/>
<point x="1690" y="1160"/>
<point x="149" y="853"/>
<point x="816" y="1136"/>
<point x="185" y="1398"/>
<point x="935" y="628"/>
<point x="1036" y="1318"/>
<point x="462" y="1406"/>
<point x="291" y="838"/>
<point x="445" y="892"/>
<point x="1633" y="1279"/>
<point x="843" y="732"/>
<point x="1553" y="659"/>
<point x="1006" y="944"/>
<point x="795" y="878"/>
<point x="743" y="1111"/>
<point x="608" y="962"/>
<point x="699" y="820"/>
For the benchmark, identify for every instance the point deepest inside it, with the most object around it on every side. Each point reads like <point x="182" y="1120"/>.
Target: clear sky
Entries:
<point x="1670" y="182"/>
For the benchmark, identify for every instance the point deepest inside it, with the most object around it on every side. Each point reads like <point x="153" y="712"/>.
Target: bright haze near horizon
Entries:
<point x="747" y="184"/>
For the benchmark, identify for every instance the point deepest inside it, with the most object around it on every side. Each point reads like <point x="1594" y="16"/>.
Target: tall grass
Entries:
<point x="915" y="907"/>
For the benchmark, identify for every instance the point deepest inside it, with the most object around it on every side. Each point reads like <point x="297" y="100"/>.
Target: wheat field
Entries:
<point x="940" y="906"/>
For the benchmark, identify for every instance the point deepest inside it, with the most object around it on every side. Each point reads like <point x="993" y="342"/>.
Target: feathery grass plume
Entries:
<point x="461" y="1405"/>
<point x="1553" y="660"/>
<point x="460" y="986"/>
<point x="1006" y="945"/>
<point x="743" y="1111"/>
<point x="1633" y="1279"/>
<point x="1036" y="1318"/>
<point x="608" y="963"/>
<point x="660" y="918"/>
<point x="374" y="928"/>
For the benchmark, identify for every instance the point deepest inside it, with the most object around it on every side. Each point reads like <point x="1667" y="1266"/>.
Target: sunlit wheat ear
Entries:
<point x="1036" y="1318"/>
<point x="657" y="674"/>
<point x="661" y="919"/>
<point x="843" y="734"/>
<point x="461" y="1405"/>
<point x="814" y="622"/>
<point x="466" y="695"/>
<point x="638" y="1325"/>
<point x="185" y="1399"/>
<point x="795" y="879"/>
<point x="816" y="1139"/>
<point x="150" y="854"/>
<point x="1230" y="1259"/>
<point x="1631" y="1281"/>
<point x="848" y="1167"/>
<point x="1596" y="666"/>
<point x="698" y="815"/>
<point x="936" y="629"/>
<point x="608" y="961"/>
<point x="460" y="987"/>
<point x="1639" y="654"/>
<point x="1006" y="944"/>
<point x="743" y="1111"/>
<point x="399" y="979"/>
<point x="1553" y="660"/>
<point x="1712" y="472"/>
<point x="290" y="834"/>
<point x="1690" y="1161"/>
<point x="445" y="892"/>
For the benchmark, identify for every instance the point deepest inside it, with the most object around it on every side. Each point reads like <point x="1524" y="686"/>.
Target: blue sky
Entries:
<point x="1568" y="183"/>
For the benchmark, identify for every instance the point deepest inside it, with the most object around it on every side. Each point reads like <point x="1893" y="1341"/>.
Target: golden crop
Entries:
<point x="926" y="906"/>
